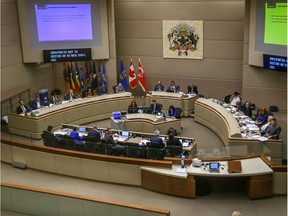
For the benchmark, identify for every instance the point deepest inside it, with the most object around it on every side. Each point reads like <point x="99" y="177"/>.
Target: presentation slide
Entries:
<point x="63" y="22"/>
<point x="275" y="24"/>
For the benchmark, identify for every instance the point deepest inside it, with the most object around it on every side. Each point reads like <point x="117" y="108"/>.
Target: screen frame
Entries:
<point x="31" y="55"/>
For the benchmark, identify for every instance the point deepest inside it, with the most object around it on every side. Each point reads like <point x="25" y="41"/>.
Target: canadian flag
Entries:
<point x="141" y="76"/>
<point x="132" y="76"/>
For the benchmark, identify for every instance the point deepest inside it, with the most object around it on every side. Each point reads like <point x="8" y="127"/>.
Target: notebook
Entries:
<point x="234" y="166"/>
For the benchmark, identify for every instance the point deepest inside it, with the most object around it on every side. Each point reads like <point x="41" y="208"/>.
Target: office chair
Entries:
<point x="178" y="112"/>
<point x="114" y="88"/>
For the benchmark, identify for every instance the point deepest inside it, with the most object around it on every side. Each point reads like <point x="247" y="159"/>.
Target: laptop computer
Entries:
<point x="82" y="129"/>
<point x="125" y="134"/>
<point x="214" y="167"/>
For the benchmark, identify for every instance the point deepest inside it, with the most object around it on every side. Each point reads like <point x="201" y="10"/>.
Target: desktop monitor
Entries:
<point x="133" y="109"/>
<point x="125" y="134"/>
<point x="170" y="90"/>
<point x="82" y="129"/>
<point x="147" y="110"/>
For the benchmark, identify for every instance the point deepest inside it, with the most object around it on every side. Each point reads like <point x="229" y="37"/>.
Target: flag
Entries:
<point x="99" y="75"/>
<point x="65" y="74"/>
<point x="104" y="79"/>
<point x="132" y="76"/>
<point x="141" y="76"/>
<point x="82" y="78"/>
<point x="94" y="81"/>
<point x="122" y="76"/>
<point x="70" y="74"/>
<point x="77" y="79"/>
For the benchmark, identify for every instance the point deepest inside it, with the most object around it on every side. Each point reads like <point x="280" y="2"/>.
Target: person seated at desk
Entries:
<point x="273" y="130"/>
<point x="54" y="99"/>
<point x="119" y="88"/>
<point x="261" y="119"/>
<point x="155" y="107"/>
<point x="156" y="141"/>
<point x="70" y="95"/>
<point x="159" y="86"/>
<point x="246" y="109"/>
<point x="37" y="104"/>
<point x="110" y="140"/>
<point x="172" y="141"/>
<point x="235" y="98"/>
<point x="47" y="132"/>
<point x="192" y="89"/>
<point x="102" y="89"/>
<point x="94" y="133"/>
<point x="22" y="109"/>
<point x="173" y="87"/>
<point x="133" y="104"/>
<point x="172" y="111"/>
<point x="76" y="137"/>
<point x="265" y="126"/>
<point x="87" y="93"/>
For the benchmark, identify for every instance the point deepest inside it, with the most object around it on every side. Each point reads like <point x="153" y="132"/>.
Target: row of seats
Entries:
<point x="130" y="150"/>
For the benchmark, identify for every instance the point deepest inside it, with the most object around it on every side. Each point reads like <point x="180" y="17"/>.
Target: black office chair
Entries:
<point x="50" y="141"/>
<point x="155" y="153"/>
<point x="174" y="151"/>
<point x="178" y="112"/>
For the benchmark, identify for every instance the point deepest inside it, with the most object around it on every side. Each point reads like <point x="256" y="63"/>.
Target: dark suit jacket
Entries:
<point x="157" y="108"/>
<point x="102" y="90"/>
<point x="273" y="131"/>
<point x="94" y="133"/>
<point x="19" y="109"/>
<point x="109" y="139"/>
<point x="156" y="140"/>
<point x="67" y="96"/>
<point x="174" y="142"/>
<point x="34" y="104"/>
<point x="159" y="88"/>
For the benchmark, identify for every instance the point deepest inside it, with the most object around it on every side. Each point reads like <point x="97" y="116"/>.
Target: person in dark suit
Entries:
<point x="94" y="133"/>
<point x="76" y="137"/>
<point x="155" y="107"/>
<point x="159" y="86"/>
<point x="172" y="141"/>
<point x="273" y="130"/>
<point x="22" y="109"/>
<point x="70" y="95"/>
<point x="110" y="140"/>
<point x="156" y="141"/>
<point x="48" y="132"/>
<point x="102" y="89"/>
<point x="37" y="104"/>
<point x="173" y="87"/>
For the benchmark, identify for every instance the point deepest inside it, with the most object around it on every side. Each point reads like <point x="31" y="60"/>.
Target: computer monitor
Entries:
<point x="133" y="109"/>
<point x="82" y="129"/>
<point x="163" y="138"/>
<point x="147" y="110"/>
<point x="170" y="90"/>
<point x="125" y="134"/>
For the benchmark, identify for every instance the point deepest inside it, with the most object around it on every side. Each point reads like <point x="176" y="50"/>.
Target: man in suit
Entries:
<point x="36" y="104"/>
<point x="173" y="87"/>
<point x="22" y="109"/>
<point x="159" y="86"/>
<point x="95" y="133"/>
<point x="48" y="132"/>
<point x="70" y="95"/>
<point x="273" y="130"/>
<point x="120" y="149"/>
<point x="156" y="141"/>
<point x="155" y="107"/>
<point x="119" y="88"/>
<point x="76" y="137"/>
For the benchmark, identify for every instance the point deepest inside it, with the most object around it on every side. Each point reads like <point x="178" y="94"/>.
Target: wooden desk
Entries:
<point x="256" y="176"/>
<point x="184" y="101"/>
<point x="143" y="122"/>
<point x="76" y="112"/>
<point x="223" y="123"/>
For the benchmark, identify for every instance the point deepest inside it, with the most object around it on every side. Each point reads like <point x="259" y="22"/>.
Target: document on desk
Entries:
<point x="181" y="170"/>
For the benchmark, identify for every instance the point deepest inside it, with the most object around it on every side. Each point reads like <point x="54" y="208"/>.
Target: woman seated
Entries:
<point x="133" y="104"/>
<point x="171" y="111"/>
<point x="261" y="119"/>
<point x="88" y="93"/>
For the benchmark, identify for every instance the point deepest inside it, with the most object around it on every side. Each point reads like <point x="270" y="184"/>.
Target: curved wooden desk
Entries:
<point x="184" y="101"/>
<point x="78" y="112"/>
<point x="218" y="119"/>
<point x="148" y="123"/>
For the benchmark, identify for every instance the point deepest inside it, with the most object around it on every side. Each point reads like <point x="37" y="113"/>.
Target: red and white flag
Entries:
<point x="132" y="76"/>
<point x="141" y="76"/>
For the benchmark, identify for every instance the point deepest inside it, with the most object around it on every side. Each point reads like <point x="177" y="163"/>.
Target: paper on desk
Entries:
<point x="181" y="170"/>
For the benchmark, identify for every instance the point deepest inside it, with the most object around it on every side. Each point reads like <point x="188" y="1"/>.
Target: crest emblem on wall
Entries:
<point x="183" y="39"/>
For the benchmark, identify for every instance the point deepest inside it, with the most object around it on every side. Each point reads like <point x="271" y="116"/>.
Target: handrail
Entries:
<point x="82" y="197"/>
